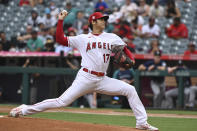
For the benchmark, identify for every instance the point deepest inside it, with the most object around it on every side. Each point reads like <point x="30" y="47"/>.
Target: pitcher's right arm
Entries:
<point x="60" y="38"/>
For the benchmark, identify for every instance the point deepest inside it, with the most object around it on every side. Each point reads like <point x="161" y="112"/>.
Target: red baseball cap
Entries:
<point x="97" y="15"/>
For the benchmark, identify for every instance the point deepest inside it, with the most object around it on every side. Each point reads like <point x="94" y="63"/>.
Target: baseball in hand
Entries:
<point x="63" y="14"/>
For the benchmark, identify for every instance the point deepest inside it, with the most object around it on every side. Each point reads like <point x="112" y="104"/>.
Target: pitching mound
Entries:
<point x="37" y="124"/>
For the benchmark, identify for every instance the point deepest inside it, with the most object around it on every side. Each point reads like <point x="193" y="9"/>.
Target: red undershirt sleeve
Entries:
<point x="129" y="54"/>
<point x="60" y="34"/>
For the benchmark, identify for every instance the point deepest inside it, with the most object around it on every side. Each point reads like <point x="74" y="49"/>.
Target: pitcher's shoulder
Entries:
<point x="110" y="34"/>
<point x="85" y="35"/>
<point x="82" y="36"/>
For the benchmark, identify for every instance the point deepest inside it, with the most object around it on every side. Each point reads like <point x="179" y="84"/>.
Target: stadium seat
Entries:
<point x="180" y="4"/>
<point x="137" y="41"/>
<point x="174" y="50"/>
<point x="146" y="20"/>
<point x="186" y="41"/>
<point x="169" y="41"/>
<point x="194" y="3"/>
<point x="163" y="36"/>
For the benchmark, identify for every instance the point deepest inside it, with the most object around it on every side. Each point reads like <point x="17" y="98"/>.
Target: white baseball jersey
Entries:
<point x="95" y="49"/>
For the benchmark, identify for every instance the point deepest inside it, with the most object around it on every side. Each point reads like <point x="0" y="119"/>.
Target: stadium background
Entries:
<point x="14" y="21"/>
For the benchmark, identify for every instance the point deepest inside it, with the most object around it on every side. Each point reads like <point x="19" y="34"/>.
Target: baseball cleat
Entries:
<point x="147" y="127"/>
<point x="17" y="111"/>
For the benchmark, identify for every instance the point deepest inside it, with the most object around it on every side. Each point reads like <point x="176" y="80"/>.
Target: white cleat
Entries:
<point x="15" y="112"/>
<point x="147" y="127"/>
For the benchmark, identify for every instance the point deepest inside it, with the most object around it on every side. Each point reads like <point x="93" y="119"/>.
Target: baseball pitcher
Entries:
<point x="95" y="49"/>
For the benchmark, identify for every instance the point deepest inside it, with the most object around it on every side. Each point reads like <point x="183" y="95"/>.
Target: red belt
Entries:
<point x="99" y="74"/>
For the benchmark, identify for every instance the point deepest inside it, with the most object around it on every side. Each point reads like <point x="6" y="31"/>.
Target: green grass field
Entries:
<point x="178" y="112"/>
<point x="164" y="124"/>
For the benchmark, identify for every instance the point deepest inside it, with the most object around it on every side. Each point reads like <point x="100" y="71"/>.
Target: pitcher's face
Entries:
<point x="100" y="23"/>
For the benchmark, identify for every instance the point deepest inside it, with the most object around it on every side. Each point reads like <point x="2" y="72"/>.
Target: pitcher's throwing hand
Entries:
<point x="62" y="15"/>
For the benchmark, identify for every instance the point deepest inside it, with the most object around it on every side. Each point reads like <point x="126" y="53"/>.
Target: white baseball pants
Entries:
<point x="87" y="83"/>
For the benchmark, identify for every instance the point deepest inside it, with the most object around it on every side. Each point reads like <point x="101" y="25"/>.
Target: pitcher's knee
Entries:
<point x="130" y="91"/>
<point x="132" y="88"/>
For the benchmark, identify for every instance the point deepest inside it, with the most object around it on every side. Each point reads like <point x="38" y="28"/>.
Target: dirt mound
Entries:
<point x="38" y="124"/>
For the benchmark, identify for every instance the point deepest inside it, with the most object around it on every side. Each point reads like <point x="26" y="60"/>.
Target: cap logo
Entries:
<point x="93" y="17"/>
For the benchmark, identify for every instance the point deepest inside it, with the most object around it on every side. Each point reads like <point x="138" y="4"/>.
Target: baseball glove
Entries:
<point x="122" y="60"/>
